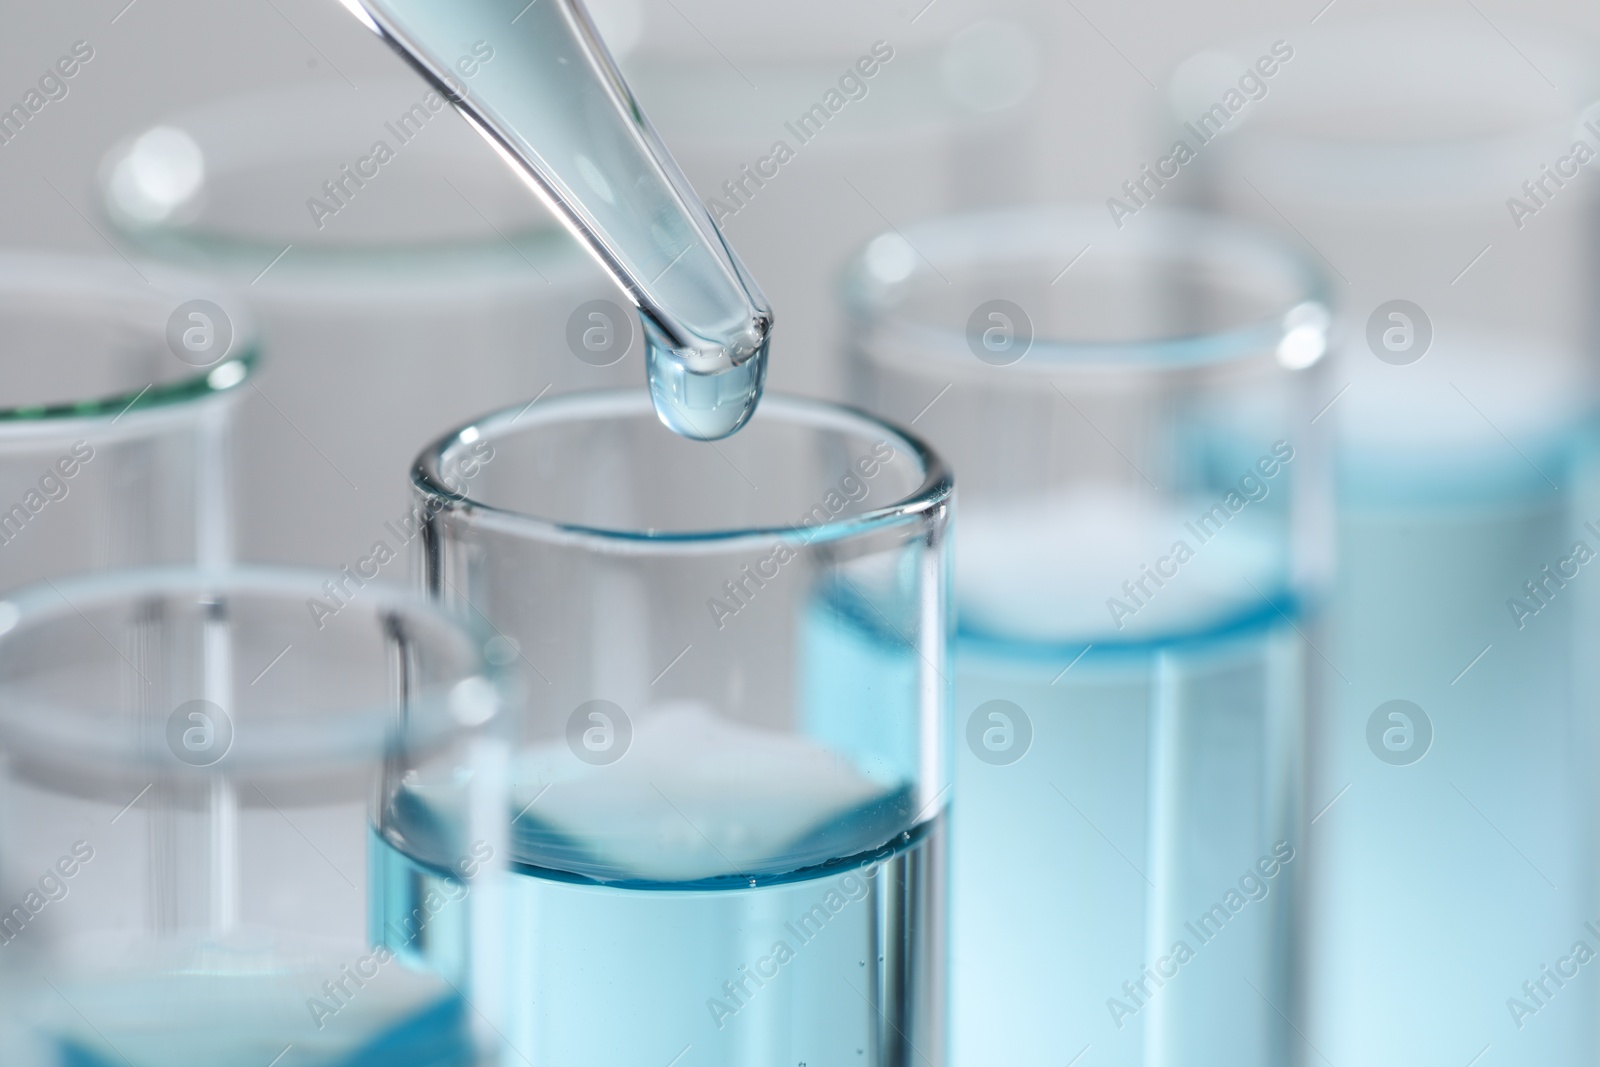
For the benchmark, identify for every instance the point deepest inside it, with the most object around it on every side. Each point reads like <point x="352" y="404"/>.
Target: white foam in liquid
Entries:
<point x="1043" y="569"/>
<point x="695" y="795"/>
<point x="1461" y="394"/>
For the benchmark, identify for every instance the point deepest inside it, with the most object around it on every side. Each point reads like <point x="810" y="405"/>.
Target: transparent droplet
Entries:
<point x="706" y="407"/>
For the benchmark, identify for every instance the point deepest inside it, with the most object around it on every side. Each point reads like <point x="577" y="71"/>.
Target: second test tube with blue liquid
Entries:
<point x="1136" y="549"/>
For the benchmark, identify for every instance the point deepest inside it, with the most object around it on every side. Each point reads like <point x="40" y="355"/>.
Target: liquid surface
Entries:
<point x="544" y="91"/>
<point x="733" y="895"/>
<point x="1124" y="833"/>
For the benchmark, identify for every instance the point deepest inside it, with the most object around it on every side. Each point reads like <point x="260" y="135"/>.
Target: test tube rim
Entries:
<point x="931" y="497"/>
<point x="880" y="327"/>
<point x="362" y="734"/>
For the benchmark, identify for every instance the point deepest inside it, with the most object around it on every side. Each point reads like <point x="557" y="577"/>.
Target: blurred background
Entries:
<point x="985" y="104"/>
<point x="1416" y="163"/>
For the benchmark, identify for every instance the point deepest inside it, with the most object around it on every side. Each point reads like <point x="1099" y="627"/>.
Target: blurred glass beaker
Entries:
<point x="395" y="266"/>
<point x="730" y="786"/>
<point x="803" y="127"/>
<point x="117" y="395"/>
<point x="1138" y="554"/>
<point x="1436" y="166"/>
<point x="191" y="756"/>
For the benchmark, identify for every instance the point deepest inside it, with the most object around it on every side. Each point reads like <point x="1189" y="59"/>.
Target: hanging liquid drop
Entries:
<point x="704" y="406"/>
<point x="537" y="82"/>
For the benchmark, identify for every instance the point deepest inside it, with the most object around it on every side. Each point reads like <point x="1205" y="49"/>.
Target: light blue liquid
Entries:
<point x="606" y="976"/>
<point x="827" y="949"/>
<point x="542" y="88"/>
<point x="1157" y="776"/>
<point x="209" y="1017"/>
<point x="1446" y="884"/>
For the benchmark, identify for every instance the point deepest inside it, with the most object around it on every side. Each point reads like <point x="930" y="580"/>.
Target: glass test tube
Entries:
<point x="1138" y="555"/>
<point x="394" y="264"/>
<point x="730" y="786"/>
<point x="1434" y="166"/>
<point x="191" y="756"/>
<point x="117" y="393"/>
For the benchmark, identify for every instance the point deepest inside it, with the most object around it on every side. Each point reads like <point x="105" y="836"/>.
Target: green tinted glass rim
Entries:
<point x="185" y="390"/>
